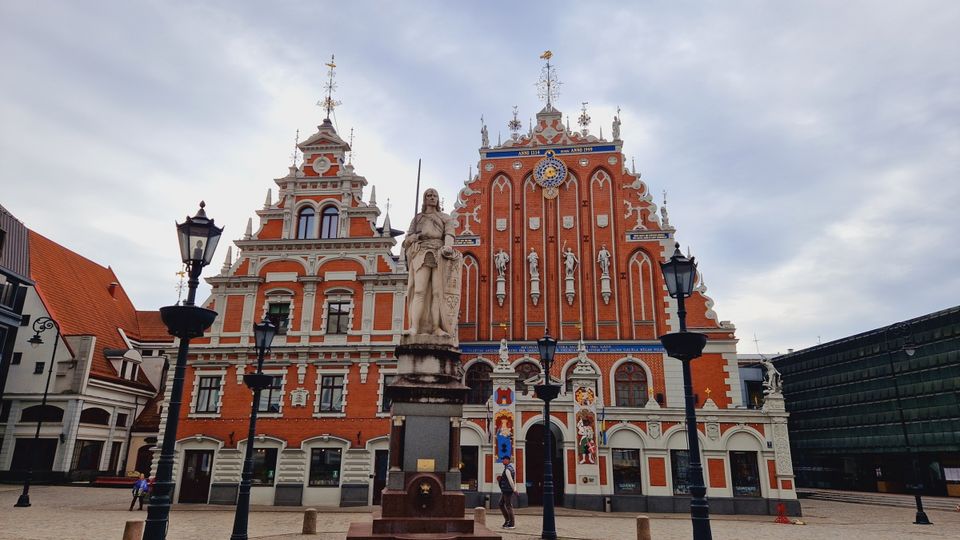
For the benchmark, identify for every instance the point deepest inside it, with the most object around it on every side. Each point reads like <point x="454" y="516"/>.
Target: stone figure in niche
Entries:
<point x="500" y="260"/>
<point x="603" y="257"/>
<point x="773" y="384"/>
<point x="433" y="285"/>
<point x="570" y="262"/>
<point x="533" y="260"/>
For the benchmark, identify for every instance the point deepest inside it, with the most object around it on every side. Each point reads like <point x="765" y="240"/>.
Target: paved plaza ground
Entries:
<point x="81" y="513"/>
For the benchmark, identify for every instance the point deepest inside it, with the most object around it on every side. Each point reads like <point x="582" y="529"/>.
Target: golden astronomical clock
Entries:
<point x="550" y="173"/>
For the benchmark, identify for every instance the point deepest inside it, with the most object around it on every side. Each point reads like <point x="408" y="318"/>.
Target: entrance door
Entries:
<point x="533" y="465"/>
<point x="195" y="483"/>
<point x="34" y="453"/>
<point x="380" y="462"/>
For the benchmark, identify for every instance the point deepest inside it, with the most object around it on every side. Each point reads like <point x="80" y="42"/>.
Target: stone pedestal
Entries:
<point x="423" y="494"/>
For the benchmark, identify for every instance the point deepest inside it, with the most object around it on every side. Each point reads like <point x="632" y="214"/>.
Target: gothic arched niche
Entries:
<point x="643" y="301"/>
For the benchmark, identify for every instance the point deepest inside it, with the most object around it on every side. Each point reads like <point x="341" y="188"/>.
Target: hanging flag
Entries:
<point x="603" y="425"/>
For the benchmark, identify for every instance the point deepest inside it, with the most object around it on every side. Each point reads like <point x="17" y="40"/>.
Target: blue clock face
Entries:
<point x="550" y="172"/>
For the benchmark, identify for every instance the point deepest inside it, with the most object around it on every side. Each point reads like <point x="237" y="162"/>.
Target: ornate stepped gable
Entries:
<point x="548" y="191"/>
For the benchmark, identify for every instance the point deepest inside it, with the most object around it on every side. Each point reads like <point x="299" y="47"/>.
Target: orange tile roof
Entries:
<point x="76" y="292"/>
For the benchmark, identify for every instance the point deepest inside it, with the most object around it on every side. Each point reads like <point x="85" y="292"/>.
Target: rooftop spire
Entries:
<point x="328" y="103"/>
<point x="548" y="86"/>
<point x="350" y="157"/>
<point x="296" y="150"/>
<point x="584" y="119"/>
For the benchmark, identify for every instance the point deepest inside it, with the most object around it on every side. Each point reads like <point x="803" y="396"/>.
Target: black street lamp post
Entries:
<point x="198" y="240"/>
<point x="39" y="326"/>
<point x="907" y="347"/>
<point x="679" y="274"/>
<point x="547" y="392"/>
<point x="263" y="334"/>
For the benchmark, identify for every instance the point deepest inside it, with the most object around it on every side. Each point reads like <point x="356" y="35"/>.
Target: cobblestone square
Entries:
<point x="82" y="513"/>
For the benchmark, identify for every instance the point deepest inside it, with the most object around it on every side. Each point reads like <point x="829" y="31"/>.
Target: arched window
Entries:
<point x="329" y="222"/>
<point x="525" y="370"/>
<point x="478" y="379"/>
<point x="42" y="413"/>
<point x="631" y="385"/>
<point x="95" y="415"/>
<point x="306" y="223"/>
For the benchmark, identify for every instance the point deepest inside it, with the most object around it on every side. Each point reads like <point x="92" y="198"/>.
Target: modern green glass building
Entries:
<point x="880" y="410"/>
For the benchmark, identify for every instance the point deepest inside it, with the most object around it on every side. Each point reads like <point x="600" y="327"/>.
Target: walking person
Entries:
<point x="508" y="493"/>
<point x="140" y="489"/>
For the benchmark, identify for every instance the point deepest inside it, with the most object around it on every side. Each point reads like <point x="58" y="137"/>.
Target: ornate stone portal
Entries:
<point x="423" y="496"/>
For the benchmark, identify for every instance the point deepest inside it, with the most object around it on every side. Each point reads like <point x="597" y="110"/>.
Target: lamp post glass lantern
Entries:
<point x="198" y="237"/>
<point x="679" y="273"/>
<point x="547" y="392"/>
<point x="263" y="333"/>
<point x="40" y="326"/>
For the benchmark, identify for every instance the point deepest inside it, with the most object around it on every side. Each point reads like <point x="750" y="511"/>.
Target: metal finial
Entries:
<point x="584" y="119"/>
<point x="548" y="86"/>
<point x="515" y="124"/>
<point x="350" y="157"/>
<point x="328" y="103"/>
<point x="296" y="148"/>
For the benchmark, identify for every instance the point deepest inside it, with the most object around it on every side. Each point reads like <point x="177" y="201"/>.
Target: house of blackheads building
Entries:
<point x="556" y="233"/>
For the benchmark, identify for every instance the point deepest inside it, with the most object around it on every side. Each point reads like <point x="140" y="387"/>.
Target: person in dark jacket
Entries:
<point x="140" y="489"/>
<point x="508" y="493"/>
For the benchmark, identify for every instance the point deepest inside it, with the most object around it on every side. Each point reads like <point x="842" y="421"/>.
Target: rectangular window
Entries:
<point x="744" y="474"/>
<point x="264" y="466"/>
<point x="385" y="401"/>
<point x="469" y="467"/>
<point x="270" y="396"/>
<point x="208" y="395"/>
<point x="5" y="410"/>
<point x="114" y="457"/>
<point x="325" y="467"/>
<point x="279" y="315"/>
<point x="17" y="357"/>
<point x="121" y="420"/>
<point x="331" y="393"/>
<point x="338" y="317"/>
<point x="123" y="369"/>
<point x="626" y="471"/>
<point x="679" y="465"/>
<point x="38" y="368"/>
<point x="754" y="394"/>
<point x="86" y="455"/>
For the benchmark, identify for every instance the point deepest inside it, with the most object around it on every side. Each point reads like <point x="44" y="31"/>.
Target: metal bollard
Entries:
<point x="480" y="515"/>
<point x="643" y="528"/>
<point x="132" y="530"/>
<point x="608" y="504"/>
<point x="309" y="521"/>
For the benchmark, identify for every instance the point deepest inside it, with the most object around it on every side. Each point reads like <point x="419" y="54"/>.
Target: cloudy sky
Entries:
<point x="810" y="150"/>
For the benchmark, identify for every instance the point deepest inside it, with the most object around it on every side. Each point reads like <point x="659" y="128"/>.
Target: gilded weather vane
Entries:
<point x="328" y="103"/>
<point x="548" y="86"/>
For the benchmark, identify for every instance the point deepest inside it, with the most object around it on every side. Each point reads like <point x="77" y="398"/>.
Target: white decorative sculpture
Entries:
<point x="616" y="126"/>
<point x="433" y="285"/>
<point x="484" y="137"/>
<point x="570" y="263"/>
<point x="603" y="258"/>
<point x="773" y="384"/>
<point x="533" y="261"/>
<point x="500" y="260"/>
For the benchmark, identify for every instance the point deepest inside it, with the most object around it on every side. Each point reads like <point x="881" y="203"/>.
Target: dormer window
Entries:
<point x="306" y="223"/>
<point x="329" y="222"/>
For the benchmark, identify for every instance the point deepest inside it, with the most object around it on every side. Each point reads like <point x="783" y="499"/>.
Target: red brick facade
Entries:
<point x="342" y="291"/>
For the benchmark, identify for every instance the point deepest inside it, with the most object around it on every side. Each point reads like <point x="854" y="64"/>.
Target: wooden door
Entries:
<point x="380" y="462"/>
<point x="533" y="466"/>
<point x="195" y="482"/>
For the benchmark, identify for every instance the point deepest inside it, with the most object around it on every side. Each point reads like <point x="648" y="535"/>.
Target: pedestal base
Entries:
<point x="425" y="528"/>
